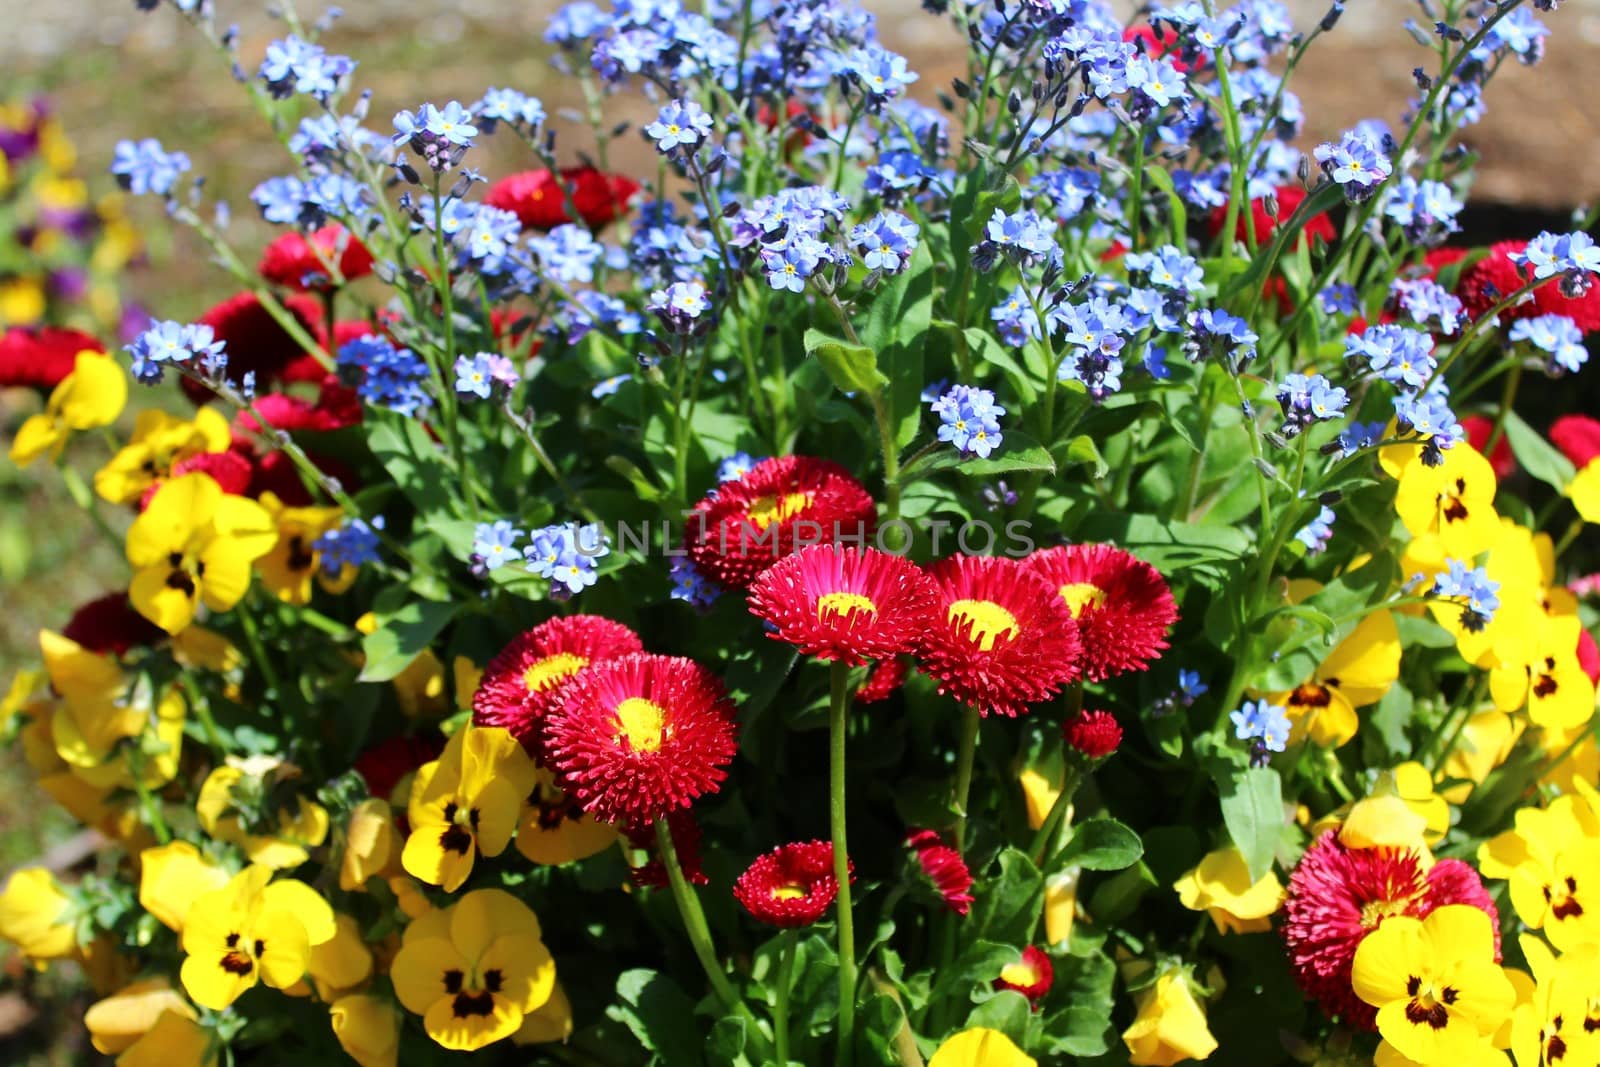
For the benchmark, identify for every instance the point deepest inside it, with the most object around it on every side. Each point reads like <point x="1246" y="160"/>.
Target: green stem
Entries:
<point x="838" y="713"/>
<point x="965" y="756"/>
<point x="694" y="924"/>
<point x="1050" y="827"/>
<point x="1508" y="397"/>
<point x="780" y="1007"/>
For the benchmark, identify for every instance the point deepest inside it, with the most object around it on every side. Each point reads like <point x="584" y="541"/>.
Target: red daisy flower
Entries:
<point x="637" y="737"/>
<point x="887" y="676"/>
<point x="844" y="603"/>
<point x="109" y="624"/>
<point x="1096" y="734"/>
<point x="780" y="506"/>
<point x="790" y="886"/>
<point x="1289" y="198"/>
<point x="40" y="358"/>
<point x="385" y="763"/>
<point x="686" y="837"/>
<point x="1122" y="605"/>
<point x="1478" y="430"/>
<point x="231" y="471"/>
<point x="1494" y="277"/>
<point x="1031" y="976"/>
<point x="300" y="263"/>
<point x="1001" y="638"/>
<point x="944" y="868"/>
<point x="1588" y="655"/>
<point x="536" y="197"/>
<point x="1338" y="895"/>
<point x="526" y="679"/>
<point x="1578" y="438"/>
<point x="255" y="342"/>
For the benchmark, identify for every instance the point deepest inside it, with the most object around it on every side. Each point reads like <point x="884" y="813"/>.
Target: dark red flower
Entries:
<point x="1578" y="438"/>
<point x="887" y="676"/>
<point x="1338" y="895"/>
<point x="790" y="886"/>
<point x="1031" y="976"/>
<point x="686" y="837"/>
<point x="275" y="472"/>
<point x="1589" y="656"/>
<point x="1289" y="198"/>
<point x="230" y="470"/>
<point x="944" y="868"/>
<point x="638" y="737"/>
<point x="301" y="263"/>
<point x="41" y="357"/>
<point x="1495" y="277"/>
<point x="526" y="679"/>
<point x="780" y="506"/>
<point x="1478" y="430"/>
<point x="336" y="406"/>
<point x="844" y="603"/>
<point x="109" y="624"/>
<point x="1122" y="605"/>
<point x="255" y="341"/>
<point x="1156" y="43"/>
<point x="1096" y="734"/>
<point x="537" y="198"/>
<point x="1001" y="637"/>
<point x="385" y="763"/>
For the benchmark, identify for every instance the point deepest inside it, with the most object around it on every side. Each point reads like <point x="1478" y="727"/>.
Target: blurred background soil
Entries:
<point x="111" y="72"/>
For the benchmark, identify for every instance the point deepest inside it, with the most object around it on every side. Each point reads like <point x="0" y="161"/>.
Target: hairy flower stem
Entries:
<point x="965" y="756"/>
<point x="1049" y="828"/>
<point x="838" y="714"/>
<point x="780" y="1004"/>
<point x="694" y="924"/>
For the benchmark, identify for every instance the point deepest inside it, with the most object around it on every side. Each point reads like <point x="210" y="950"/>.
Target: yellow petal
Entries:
<point x="551" y="1021"/>
<point x="175" y="1041"/>
<point x="172" y="877"/>
<point x="980" y="1047"/>
<point x="34" y="913"/>
<point x="1584" y="492"/>
<point x="37" y="435"/>
<point x="418" y="970"/>
<point x="313" y="913"/>
<point x="368" y="1030"/>
<point x="484" y="914"/>
<point x="342" y="962"/>
<point x="1383" y="822"/>
<point x="94" y="394"/>
<point x="116" y="1022"/>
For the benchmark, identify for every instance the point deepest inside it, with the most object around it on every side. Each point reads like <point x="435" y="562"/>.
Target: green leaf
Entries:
<point x="1006" y="1011"/>
<point x="1537" y="456"/>
<point x="413" y="460"/>
<point x="726" y="1045"/>
<point x="1009" y="902"/>
<point x="1084" y="984"/>
<point x="1082" y="449"/>
<point x="1165" y="545"/>
<point x="660" y="1015"/>
<point x="401" y="637"/>
<point x="1162" y="179"/>
<point x="1322" y="198"/>
<point x="979" y="964"/>
<point x="1101" y="844"/>
<point x="852" y="368"/>
<point x="1252" y="810"/>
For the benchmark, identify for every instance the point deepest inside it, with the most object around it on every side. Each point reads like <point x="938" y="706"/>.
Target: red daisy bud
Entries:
<point x="780" y="506"/>
<point x="526" y="679"/>
<point x="637" y="737"/>
<point x="538" y="198"/>
<point x="298" y="262"/>
<point x="790" y="886"/>
<point x="1495" y="277"/>
<point x="944" y="868"/>
<point x="1501" y="459"/>
<point x="1578" y="438"/>
<point x="109" y="624"/>
<point x="886" y="677"/>
<point x="1338" y="895"/>
<point x="844" y="603"/>
<point x="1000" y="638"/>
<point x="1096" y="734"/>
<point x="686" y="836"/>
<point x="40" y="358"/>
<point x="1031" y="976"/>
<point x="385" y="763"/>
<point x="255" y="342"/>
<point x="1122" y="605"/>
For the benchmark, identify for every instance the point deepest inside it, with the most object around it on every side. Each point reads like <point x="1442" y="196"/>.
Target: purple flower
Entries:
<point x="1356" y="162"/>
<point x="681" y="124"/>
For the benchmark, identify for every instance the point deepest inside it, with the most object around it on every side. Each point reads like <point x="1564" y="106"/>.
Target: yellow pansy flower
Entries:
<point x="172" y="877"/>
<point x="980" y="1047"/>
<point x="288" y="845"/>
<point x="1384" y="820"/>
<point x="91" y="396"/>
<point x="409" y="897"/>
<point x="371" y="844"/>
<point x="251" y="930"/>
<point x="1453" y="501"/>
<point x="36" y="915"/>
<point x="120" y="1020"/>
<point x="1170" y="1026"/>
<point x="1038" y="796"/>
<point x="1541" y="671"/>
<point x="1358" y="672"/>
<point x="160" y="441"/>
<point x="1221" y="887"/>
<point x="553" y="829"/>
<point x="339" y="964"/>
<point x="174" y="1041"/>
<point x="1439" y="993"/>
<point x="194" y="544"/>
<point x="1061" y="904"/>
<point x="1484" y="1055"/>
<point x="22" y="303"/>
<point x="550" y="1021"/>
<point x="368" y="1029"/>
<point x="1553" y="1026"/>
<point x="89" y="804"/>
<point x="474" y="970"/>
<point x="420" y="688"/>
<point x="464" y="803"/>
<point x="287" y="571"/>
<point x="1552" y="861"/>
<point x="1584" y="492"/>
<point x="1581" y="758"/>
<point x="1486" y="740"/>
<point x="1413" y="784"/>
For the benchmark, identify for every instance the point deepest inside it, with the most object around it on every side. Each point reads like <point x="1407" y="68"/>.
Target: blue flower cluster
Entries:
<point x="1478" y="593"/>
<point x="1308" y="399"/>
<point x="689" y="585"/>
<point x="296" y="66"/>
<point x="1264" y="724"/>
<point x="885" y="241"/>
<point x="680" y="127"/>
<point x="478" y="375"/>
<point x="1573" y="257"/>
<point x="679" y="306"/>
<point x="441" y="136"/>
<point x="1404" y="358"/>
<point x="567" y="555"/>
<point x="969" y="419"/>
<point x="354" y="543"/>
<point x="1357" y="162"/>
<point x="1557" y="337"/>
<point x="187" y="347"/>
<point x="385" y="376"/>
<point x="145" y="167"/>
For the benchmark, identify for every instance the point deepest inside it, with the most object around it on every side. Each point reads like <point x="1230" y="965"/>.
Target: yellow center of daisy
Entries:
<point x="985" y="621"/>
<point x="643" y="723"/>
<point x="1019" y="973"/>
<point x="844" y="604"/>
<point x="770" y="509"/>
<point x="787" y="892"/>
<point x="1080" y="595"/>
<point x="552" y="670"/>
<point x="1375" y="911"/>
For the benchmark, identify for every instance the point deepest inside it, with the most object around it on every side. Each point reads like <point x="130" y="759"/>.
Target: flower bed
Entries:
<point x="1058" y="576"/>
